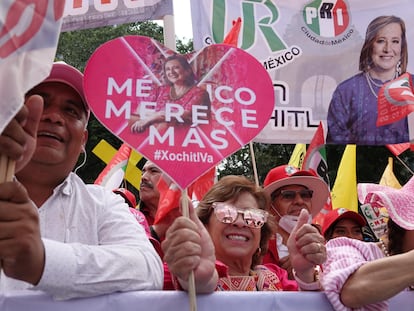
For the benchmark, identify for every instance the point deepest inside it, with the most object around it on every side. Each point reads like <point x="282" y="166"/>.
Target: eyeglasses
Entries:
<point x="305" y="194"/>
<point x="227" y="214"/>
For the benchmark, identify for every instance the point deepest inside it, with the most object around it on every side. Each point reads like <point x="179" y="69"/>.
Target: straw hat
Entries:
<point x="398" y="202"/>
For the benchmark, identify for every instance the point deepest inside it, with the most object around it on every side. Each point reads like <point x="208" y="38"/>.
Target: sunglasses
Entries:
<point x="305" y="194"/>
<point x="227" y="214"/>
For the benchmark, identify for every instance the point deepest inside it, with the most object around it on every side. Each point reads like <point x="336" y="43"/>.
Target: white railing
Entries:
<point x="178" y="301"/>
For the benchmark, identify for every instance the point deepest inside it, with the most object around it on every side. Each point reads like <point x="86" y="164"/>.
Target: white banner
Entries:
<point x="307" y="47"/>
<point x="81" y="14"/>
<point x="29" y="31"/>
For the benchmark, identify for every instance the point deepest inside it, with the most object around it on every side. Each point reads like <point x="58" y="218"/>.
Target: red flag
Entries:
<point x="232" y="37"/>
<point x="169" y="198"/>
<point x="315" y="160"/>
<point x="395" y="100"/>
<point x="170" y="193"/>
<point x="198" y="188"/>
<point x="112" y="175"/>
<point x="397" y="149"/>
<point x="315" y="157"/>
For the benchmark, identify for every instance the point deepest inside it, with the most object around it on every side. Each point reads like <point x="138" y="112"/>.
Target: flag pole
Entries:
<point x="7" y="168"/>
<point x="405" y="165"/>
<point x="256" y="178"/>
<point x="191" y="281"/>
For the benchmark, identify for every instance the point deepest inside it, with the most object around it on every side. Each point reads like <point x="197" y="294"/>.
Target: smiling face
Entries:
<point x="62" y="130"/>
<point x="175" y="72"/>
<point x="386" y="49"/>
<point x="288" y="206"/>
<point x="235" y="243"/>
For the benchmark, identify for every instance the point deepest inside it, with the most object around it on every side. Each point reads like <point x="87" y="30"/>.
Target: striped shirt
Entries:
<point x="345" y="256"/>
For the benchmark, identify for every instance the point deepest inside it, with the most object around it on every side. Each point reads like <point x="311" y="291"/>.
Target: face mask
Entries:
<point x="288" y="222"/>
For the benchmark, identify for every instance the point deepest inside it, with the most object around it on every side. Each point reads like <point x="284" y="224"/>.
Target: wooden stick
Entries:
<point x="11" y="166"/>
<point x="191" y="280"/>
<point x="3" y="167"/>
<point x="256" y="177"/>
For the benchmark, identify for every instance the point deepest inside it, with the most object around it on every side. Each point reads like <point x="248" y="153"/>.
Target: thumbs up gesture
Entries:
<point x="306" y="248"/>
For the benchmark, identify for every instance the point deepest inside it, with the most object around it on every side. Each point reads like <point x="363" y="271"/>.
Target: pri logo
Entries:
<point x="327" y="19"/>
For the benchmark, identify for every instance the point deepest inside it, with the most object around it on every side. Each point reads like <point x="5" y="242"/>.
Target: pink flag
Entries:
<point x="29" y="32"/>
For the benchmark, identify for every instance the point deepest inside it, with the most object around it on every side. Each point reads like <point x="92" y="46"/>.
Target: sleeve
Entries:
<point x="122" y="259"/>
<point x="345" y="256"/>
<point x="338" y="115"/>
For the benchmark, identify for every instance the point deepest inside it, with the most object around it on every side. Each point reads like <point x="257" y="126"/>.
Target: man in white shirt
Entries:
<point x="57" y="234"/>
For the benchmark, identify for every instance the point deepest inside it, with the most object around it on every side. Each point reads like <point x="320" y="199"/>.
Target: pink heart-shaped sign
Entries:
<point x="185" y="113"/>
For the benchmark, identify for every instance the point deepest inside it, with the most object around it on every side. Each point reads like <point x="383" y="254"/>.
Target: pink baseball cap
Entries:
<point x="398" y="202"/>
<point x="285" y="175"/>
<point x="69" y="75"/>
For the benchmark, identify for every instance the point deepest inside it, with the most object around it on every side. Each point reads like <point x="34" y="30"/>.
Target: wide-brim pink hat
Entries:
<point x="398" y="202"/>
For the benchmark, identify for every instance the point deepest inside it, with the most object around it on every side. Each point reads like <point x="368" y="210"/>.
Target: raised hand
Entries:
<point x="188" y="247"/>
<point x="22" y="252"/>
<point x="18" y="140"/>
<point x="306" y="248"/>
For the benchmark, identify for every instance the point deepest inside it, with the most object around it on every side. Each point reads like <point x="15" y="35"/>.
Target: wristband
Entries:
<point x="314" y="286"/>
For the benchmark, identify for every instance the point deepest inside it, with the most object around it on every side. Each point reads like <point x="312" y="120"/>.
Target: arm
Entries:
<point x="345" y="257"/>
<point x="101" y="250"/>
<point x="139" y="125"/>
<point x="378" y="280"/>
<point x="306" y="250"/>
<point x="188" y="247"/>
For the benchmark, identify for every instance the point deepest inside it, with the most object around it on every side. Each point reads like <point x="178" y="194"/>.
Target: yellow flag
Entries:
<point x="298" y="154"/>
<point x="388" y="178"/>
<point x="344" y="191"/>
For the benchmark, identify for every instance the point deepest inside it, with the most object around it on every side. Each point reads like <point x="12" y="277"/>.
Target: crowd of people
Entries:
<point x="61" y="236"/>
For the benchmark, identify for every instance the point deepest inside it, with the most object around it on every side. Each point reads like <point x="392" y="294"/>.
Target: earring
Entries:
<point x="259" y="251"/>
<point x="398" y="69"/>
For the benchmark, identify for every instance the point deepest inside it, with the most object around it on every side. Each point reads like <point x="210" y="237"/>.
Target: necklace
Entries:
<point x="384" y="248"/>
<point x="370" y="81"/>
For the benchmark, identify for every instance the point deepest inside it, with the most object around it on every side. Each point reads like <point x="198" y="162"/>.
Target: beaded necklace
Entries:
<point x="371" y="82"/>
<point x="384" y="248"/>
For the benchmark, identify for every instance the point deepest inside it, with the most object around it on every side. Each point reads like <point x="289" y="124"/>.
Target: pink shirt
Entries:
<point x="345" y="256"/>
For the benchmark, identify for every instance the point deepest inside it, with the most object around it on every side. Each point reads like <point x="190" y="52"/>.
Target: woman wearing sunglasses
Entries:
<point x="224" y="245"/>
